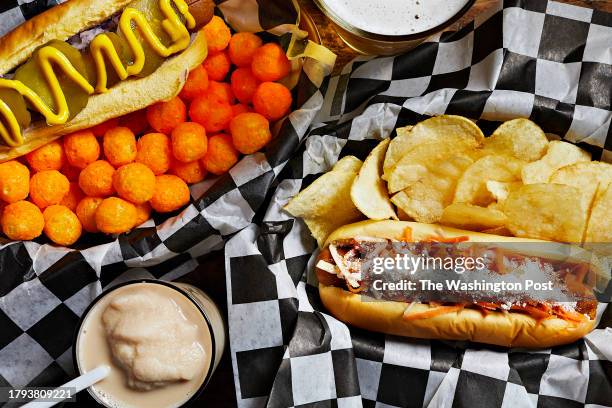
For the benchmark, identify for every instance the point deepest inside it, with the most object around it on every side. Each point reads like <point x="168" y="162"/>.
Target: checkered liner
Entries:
<point x="547" y="61"/>
<point x="15" y="12"/>
<point x="44" y="289"/>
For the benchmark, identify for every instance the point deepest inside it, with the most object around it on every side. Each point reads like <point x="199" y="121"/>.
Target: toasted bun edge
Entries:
<point x="58" y="23"/>
<point x="498" y="328"/>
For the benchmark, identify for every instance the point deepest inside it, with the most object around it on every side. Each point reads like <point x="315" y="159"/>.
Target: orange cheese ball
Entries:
<point x="239" y="108"/>
<point x="250" y="132"/>
<point x="14" y="181"/>
<point x="171" y="193"/>
<point x="242" y="47"/>
<point x="196" y="84"/>
<point x="86" y="211"/>
<point x="72" y="197"/>
<point x="71" y="172"/>
<point x="154" y="152"/>
<point x="272" y="100"/>
<point x="81" y="148"/>
<point x="191" y="173"/>
<point x="189" y="142"/>
<point x="102" y="128"/>
<point x="22" y="221"/>
<point x="136" y="121"/>
<point x="62" y="226"/>
<point x="217" y="66"/>
<point x="270" y="63"/>
<point x="217" y="34"/>
<point x="48" y="157"/>
<point x="115" y="216"/>
<point x="220" y="91"/>
<point x="96" y="180"/>
<point x="143" y="213"/>
<point x="221" y="154"/>
<point x="119" y="146"/>
<point x="134" y="182"/>
<point x="244" y="84"/>
<point x="165" y="116"/>
<point x="211" y="113"/>
<point x="48" y="188"/>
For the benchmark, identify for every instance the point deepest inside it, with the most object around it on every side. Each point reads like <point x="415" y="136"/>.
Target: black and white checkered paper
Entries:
<point x="544" y="60"/>
<point x="44" y="289"/>
<point x="15" y="12"/>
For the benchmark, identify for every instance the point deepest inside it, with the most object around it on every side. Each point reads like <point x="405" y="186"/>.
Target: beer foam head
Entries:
<point x="395" y="17"/>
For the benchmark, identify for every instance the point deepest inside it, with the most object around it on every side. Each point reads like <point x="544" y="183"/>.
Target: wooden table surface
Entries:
<point x="331" y="40"/>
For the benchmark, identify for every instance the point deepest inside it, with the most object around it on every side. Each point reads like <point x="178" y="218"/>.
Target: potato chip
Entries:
<point x="402" y="132"/>
<point x="546" y="211"/>
<point x="424" y="200"/>
<point x="326" y="204"/>
<point x="599" y="229"/>
<point x="369" y="190"/>
<point x="421" y="202"/>
<point x="401" y="214"/>
<point x="453" y="167"/>
<point x="520" y="138"/>
<point x="472" y="186"/>
<point x="559" y="154"/>
<point x="503" y="231"/>
<point x="499" y="206"/>
<point x="472" y="217"/>
<point x="586" y="176"/>
<point x="421" y="160"/>
<point x="500" y="189"/>
<point x="349" y="164"/>
<point x="437" y="129"/>
<point x="398" y="147"/>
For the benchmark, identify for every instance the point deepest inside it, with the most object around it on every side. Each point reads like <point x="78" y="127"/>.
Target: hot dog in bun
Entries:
<point x="87" y="61"/>
<point x="529" y="323"/>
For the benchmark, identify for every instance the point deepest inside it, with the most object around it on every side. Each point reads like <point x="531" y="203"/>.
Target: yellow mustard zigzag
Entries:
<point x="50" y="58"/>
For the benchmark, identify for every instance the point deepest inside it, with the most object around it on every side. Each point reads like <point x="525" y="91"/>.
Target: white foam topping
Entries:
<point x="395" y="17"/>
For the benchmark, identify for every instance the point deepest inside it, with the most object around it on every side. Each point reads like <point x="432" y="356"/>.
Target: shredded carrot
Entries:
<point x="499" y="261"/>
<point x="569" y="315"/>
<point x="532" y="311"/>
<point x="487" y="305"/>
<point x="433" y="312"/>
<point x="539" y="311"/>
<point x="448" y="240"/>
<point x="583" y="270"/>
<point x="485" y="308"/>
<point x="354" y="290"/>
<point x="545" y="307"/>
<point x="407" y="237"/>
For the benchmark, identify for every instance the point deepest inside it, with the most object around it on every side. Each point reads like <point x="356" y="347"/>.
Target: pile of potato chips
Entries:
<point x="444" y="171"/>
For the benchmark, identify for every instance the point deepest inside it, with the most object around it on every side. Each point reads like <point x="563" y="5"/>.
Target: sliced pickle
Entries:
<point x="31" y="75"/>
<point x="18" y="106"/>
<point x="153" y="14"/>
<point x="124" y="55"/>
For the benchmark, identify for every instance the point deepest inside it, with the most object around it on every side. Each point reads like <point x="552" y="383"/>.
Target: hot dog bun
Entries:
<point x="58" y="23"/>
<point x="126" y="97"/>
<point x="499" y="328"/>
<point x="72" y="17"/>
<point x="502" y="329"/>
<point x="67" y="19"/>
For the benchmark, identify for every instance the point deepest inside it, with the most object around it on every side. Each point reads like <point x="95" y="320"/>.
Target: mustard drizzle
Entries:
<point x="49" y="57"/>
